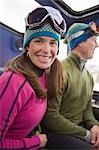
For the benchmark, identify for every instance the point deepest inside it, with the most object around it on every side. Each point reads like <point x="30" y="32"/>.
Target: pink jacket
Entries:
<point x="20" y="112"/>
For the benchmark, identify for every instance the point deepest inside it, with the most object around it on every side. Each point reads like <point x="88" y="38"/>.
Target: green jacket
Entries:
<point x="72" y="107"/>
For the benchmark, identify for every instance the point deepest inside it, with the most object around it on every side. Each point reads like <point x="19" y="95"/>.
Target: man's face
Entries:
<point x="88" y="47"/>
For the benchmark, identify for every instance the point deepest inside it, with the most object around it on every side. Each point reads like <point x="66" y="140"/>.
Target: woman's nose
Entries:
<point x="46" y="47"/>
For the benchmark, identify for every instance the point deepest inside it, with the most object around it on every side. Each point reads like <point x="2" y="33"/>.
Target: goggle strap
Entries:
<point x="75" y="35"/>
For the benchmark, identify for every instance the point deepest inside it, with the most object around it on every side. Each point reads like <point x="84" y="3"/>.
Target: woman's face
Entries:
<point x="42" y="51"/>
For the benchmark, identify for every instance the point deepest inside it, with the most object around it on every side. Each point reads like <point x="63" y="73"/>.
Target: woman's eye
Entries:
<point x="38" y="41"/>
<point x="54" y="43"/>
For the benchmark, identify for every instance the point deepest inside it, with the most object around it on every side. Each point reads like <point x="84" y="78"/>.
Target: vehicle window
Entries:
<point x="13" y="12"/>
<point x="78" y="5"/>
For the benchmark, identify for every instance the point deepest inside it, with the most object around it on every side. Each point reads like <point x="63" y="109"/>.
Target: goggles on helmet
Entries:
<point x="93" y="28"/>
<point x="41" y="14"/>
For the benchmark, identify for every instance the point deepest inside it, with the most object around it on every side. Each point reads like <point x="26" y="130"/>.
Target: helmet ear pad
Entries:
<point x="58" y="51"/>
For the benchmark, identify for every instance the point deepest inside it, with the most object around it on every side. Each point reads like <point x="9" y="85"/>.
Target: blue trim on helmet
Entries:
<point x="43" y="33"/>
<point x="73" y="43"/>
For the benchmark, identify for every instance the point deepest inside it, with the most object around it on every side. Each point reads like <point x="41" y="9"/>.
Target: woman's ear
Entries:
<point x="27" y="47"/>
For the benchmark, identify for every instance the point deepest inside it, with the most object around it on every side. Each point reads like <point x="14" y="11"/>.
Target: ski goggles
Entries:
<point x="41" y="14"/>
<point x="92" y="28"/>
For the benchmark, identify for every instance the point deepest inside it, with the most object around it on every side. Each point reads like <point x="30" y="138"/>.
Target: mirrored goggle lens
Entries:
<point x="93" y="27"/>
<point x="38" y="16"/>
<point x="57" y="17"/>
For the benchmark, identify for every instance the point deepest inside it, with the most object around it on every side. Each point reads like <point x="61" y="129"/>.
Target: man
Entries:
<point x="69" y="121"/>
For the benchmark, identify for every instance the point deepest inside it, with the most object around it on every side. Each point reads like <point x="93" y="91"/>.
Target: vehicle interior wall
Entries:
<point x="10" y="43"/>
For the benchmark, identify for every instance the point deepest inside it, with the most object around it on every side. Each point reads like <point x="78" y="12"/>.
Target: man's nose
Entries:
<point x="97" y="42"/>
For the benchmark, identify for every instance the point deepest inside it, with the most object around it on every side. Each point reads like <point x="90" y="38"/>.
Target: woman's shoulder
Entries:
<point x="15" y="82"/>
<point x="9" y="76"/>
<point x="9" y="73"/>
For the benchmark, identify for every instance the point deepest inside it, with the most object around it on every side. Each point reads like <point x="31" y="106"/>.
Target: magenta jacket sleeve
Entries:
<point x="15" y="124"/>
<point x="25" y="143"/>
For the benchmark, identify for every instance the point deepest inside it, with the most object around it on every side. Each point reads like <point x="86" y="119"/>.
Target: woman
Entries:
<point x="28" y="77"/>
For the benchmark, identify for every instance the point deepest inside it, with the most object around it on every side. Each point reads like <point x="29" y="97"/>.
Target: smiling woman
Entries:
<point x="29" y="76"/>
